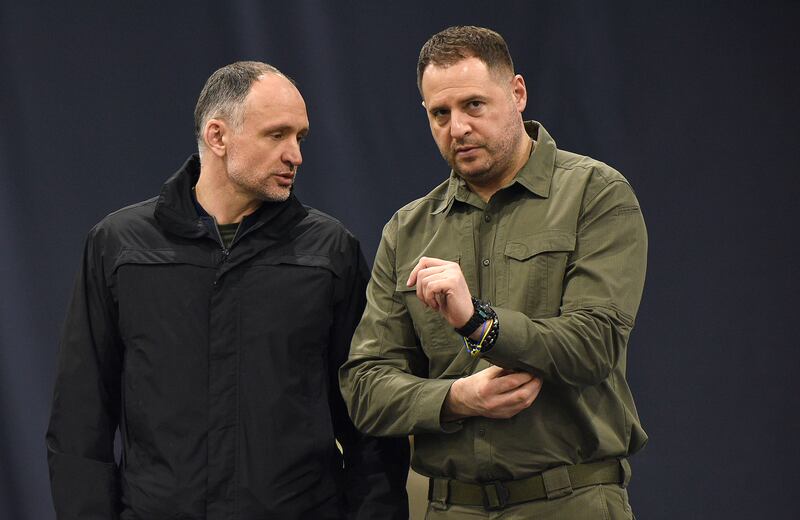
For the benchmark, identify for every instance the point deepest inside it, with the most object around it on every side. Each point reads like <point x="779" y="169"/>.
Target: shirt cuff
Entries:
<point x="513" y="343"/>
<point x="428" y="407"/>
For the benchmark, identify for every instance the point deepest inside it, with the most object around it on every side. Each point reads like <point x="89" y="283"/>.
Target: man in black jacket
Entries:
<point x="208" y="324"/>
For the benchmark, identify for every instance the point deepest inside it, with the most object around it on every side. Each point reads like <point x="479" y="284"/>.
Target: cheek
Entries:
<point x="442" y="138"/>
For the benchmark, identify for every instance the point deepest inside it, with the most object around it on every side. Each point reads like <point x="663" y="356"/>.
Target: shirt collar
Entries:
<point x="535" y="176"/>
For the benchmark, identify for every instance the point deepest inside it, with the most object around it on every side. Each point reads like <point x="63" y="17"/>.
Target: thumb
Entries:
<point x="494" y="371"/>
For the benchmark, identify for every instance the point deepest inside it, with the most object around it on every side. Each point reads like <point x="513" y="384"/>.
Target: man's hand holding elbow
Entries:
<point x="495" y="393"/>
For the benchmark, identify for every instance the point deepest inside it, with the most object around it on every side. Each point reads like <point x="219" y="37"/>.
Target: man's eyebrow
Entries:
<point x="435" y="107"/>
<point x="462" y="100"/>
<point x="283" y="127"/>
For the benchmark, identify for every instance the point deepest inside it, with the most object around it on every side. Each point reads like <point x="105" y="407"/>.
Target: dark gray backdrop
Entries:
<point x="695" y="102"/>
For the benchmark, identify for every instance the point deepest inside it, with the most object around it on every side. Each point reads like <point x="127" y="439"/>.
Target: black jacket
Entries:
<point x="219" y="368"/>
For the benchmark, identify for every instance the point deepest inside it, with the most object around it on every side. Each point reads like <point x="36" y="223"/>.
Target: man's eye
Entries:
<point x="438" y="114"/>
<point x="475" y="104"/>
<point x="277" y="135"/>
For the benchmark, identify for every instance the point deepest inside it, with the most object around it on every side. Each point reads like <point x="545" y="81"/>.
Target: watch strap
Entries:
<point x="482" y="312"/>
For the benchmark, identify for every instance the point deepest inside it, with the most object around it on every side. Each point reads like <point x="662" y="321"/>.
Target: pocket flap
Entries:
<point x="301" y="259"/>
<point x="160" y="256"/>
<point x="548" y="240"/>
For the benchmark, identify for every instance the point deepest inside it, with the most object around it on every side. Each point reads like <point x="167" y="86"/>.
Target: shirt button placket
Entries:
<point x="482" y="450"/>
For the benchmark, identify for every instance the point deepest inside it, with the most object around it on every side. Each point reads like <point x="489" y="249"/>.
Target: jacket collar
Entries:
<point x="176" y="213"/>
<point x="535" y="176"/>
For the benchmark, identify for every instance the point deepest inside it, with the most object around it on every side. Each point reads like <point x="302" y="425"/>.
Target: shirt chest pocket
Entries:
<point x="536" y="265"/>
<point x="436" y="337"/>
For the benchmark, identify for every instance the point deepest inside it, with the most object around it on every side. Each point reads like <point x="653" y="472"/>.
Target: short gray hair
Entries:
<point x="225" y="91"/>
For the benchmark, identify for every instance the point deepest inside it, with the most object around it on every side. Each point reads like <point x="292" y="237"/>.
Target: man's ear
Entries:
<point x="215" y="136"/>
<point x="520" y="92"/>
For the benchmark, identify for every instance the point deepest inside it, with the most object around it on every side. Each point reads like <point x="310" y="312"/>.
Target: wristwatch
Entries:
<point x="482" y="313"/>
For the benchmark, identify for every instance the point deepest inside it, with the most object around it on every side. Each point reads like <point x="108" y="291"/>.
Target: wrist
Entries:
<point x="454" y="407"/>
<point x="476" y="336"/>
<point x="481" y="313"/>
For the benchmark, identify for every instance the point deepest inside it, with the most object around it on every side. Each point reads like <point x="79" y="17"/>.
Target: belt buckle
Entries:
<point x="495" y="495"/>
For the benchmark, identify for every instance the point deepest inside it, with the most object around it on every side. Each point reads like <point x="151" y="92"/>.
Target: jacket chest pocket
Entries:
<point x="536" y="266"/>
<point x="289" y="295"/>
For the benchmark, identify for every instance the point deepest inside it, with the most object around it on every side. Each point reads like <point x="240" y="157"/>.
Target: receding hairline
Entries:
<point x="498" y="70"/>
<point x="223" y="96"/>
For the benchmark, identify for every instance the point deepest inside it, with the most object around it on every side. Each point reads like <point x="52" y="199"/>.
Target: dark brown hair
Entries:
<point x="457" y="43"/>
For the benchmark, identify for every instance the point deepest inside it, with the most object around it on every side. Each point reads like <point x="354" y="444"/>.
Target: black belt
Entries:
<point x="553" y="483"/>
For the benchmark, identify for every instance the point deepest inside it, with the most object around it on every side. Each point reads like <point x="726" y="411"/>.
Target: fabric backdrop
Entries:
<point x="695" y="102"/>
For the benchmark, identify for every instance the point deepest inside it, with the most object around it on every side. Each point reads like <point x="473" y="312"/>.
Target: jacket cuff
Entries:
<point x="82" y="488"/>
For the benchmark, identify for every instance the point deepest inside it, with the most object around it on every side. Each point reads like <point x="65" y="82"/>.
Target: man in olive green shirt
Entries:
<point x="500" y="307"/>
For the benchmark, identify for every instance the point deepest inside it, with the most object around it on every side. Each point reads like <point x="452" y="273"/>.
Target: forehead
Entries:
<point x="273" y="98"/>
<point x="466" y="77"/>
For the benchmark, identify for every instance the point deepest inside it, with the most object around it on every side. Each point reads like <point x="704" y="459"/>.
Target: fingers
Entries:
<point x="435" y="290"/>
<point x="434" y="279"/>
<point x="510" y="382"/>
<point x="441" y="286"/>
<point x="423" y="263"/>
<point x="506" y="394"/>
<point x="493" y="371"/>
<point x="430" y="282"/>
<point x="530" y="390"/>
<point x="523" y="397"/>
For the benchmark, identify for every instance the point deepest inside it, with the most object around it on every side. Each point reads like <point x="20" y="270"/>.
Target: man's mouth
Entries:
<point x="285" y="178"/>
<point x="466" y="150"/>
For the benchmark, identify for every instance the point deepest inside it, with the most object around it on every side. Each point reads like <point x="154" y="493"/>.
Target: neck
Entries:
<point x="521" y="156"/>
<point x="221" y="201"/>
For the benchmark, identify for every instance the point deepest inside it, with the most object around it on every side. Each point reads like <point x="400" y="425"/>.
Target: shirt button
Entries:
<point x="485" y="262"/>
<point x="487" y="218"/>
<point x="481" y="433"/>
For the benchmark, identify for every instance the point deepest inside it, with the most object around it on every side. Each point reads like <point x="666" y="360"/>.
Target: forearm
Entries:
<point x="578" y="348"/>
<point x="384" y="399"/>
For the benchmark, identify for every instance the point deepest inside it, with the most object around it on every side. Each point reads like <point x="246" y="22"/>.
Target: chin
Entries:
<point x="475" y="173"/>
<point x="277" y="197"/>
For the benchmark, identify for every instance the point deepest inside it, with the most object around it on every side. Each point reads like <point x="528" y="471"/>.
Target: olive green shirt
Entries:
<point x="560" y="253"/>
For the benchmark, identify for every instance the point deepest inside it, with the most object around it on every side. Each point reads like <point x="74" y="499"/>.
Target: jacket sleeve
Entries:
<point x="385" y="381"/>
<point x="85" y="409"/>
<point x="601" y="294"/>
<point x="376" y="468"/>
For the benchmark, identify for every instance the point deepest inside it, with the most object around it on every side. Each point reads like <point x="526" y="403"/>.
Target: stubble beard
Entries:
<point x="264" y="190"/>
<point x="496" y="165"/>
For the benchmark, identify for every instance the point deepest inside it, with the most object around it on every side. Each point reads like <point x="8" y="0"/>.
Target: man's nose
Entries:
<point x="459" y="125"/>
<point x="292" y="155"/>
